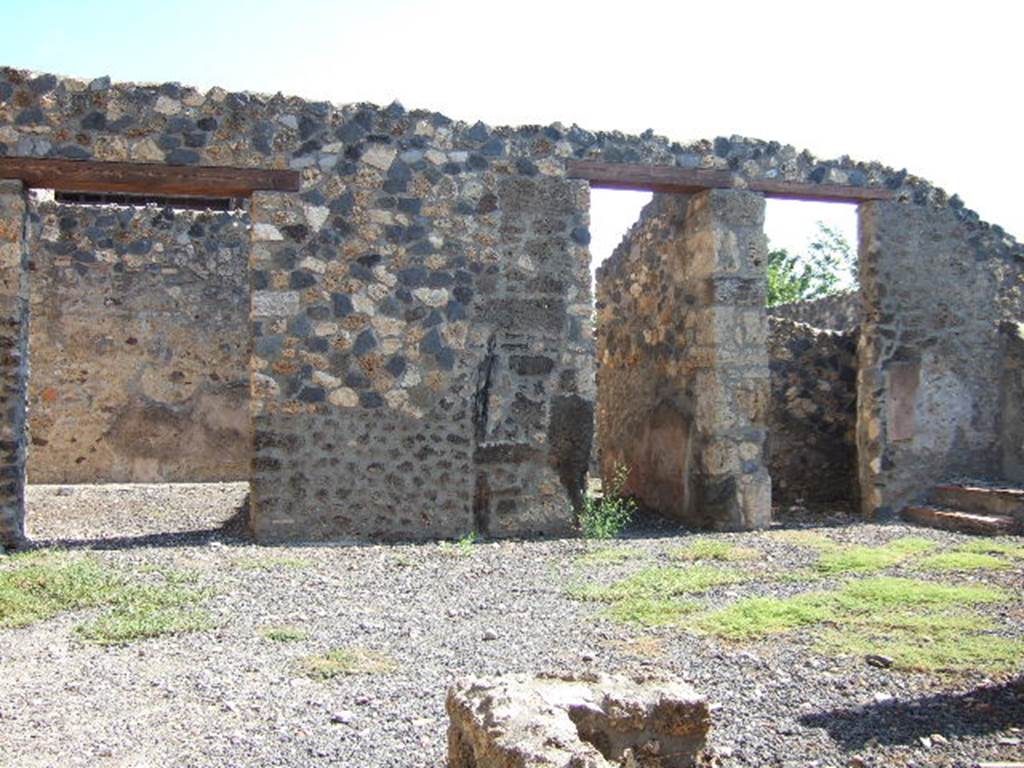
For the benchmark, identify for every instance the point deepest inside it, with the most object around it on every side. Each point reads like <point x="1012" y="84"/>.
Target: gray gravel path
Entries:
<point x="230" y="697"/>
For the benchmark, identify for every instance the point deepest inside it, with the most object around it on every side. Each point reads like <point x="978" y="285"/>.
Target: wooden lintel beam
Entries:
<point x="655" y="178"/>
<point x="820" y="193"/>
<point x="650" y="178"/>
<point x="145" y="178"/>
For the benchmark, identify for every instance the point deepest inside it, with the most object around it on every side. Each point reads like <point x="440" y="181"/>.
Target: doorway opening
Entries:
<point x="139" y="344"/>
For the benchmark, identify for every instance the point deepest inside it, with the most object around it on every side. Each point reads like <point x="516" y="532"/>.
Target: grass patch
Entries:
<point x="660" y="583"/>
<point x="346" y="661"/>
<point x="962" y="561"/>
<point x="857" y="559"/>
<point x="284" y="633"/>
<point x="937" y="650"/>
<point x="39" y="585"/>
<point x="714" y="549"/>
<point x="985" y="546"/>
<point x="649" y="612"/>
<point x="910" y="545"/>
<point x="756" y="617"/>
<point x="36" y="586"/>
<point x="892" y="593"/>
<point x="270" y="562"/>
<point x="860" y="559"/>
<point x="920" y="625"/>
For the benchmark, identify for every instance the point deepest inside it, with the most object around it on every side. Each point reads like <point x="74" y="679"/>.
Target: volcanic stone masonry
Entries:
<point x="420" y="311"/>
<point x="812" y="418"/>
<point x="683" y="370"/>
<point x="139" y="344"/>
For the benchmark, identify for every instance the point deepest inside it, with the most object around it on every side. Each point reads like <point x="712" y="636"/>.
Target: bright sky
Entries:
<point x="929" y="86"/>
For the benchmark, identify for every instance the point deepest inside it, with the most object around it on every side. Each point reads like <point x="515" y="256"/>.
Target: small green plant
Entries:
<point x="607" y="516"/>
<point x="466" y="542"/>
<point x="284" y="633"/>
<point x="346" y="661"/>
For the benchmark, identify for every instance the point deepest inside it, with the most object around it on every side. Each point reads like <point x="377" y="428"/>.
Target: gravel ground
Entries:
<point x="230" y="697"/>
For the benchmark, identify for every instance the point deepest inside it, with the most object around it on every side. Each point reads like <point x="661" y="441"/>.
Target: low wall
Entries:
<point x="838" y="312"/>
<point x="812" y="452"/>
<point x="139" y="345"/>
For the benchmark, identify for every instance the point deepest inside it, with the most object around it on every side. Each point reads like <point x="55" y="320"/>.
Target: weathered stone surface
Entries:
<point x="931" y="361"/>
<point x="140" y="344"/>
<point x="461" y="248"/>
<point x="838" y="312"/>
<point x="683" y="367"/>
<point x="811" y="447"/>
<point x="585" y="721"/>
<point x="13" y="362"/>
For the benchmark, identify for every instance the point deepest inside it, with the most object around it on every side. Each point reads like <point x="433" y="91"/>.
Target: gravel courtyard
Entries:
<point x="237" y="693"/>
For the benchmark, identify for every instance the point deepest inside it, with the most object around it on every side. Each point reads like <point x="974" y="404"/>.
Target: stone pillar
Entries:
<point x="13" y="361"/>
<point x="728" y="252"/>
<point x="683" y="364"/>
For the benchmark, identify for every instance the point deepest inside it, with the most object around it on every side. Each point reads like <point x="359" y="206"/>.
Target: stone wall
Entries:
<point x="683" y="376"/>
<point x="930" y="360"/>
<point x="811" y="447"/>
<point x="1011" y="404"/>
<point x="13" y="361"/>
<point x="838" y="312"/>
<point x="139" y="344"/>
<point x="427" y="288"/>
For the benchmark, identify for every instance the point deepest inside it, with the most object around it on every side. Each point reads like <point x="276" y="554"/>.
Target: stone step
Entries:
<point x="982" y="524"/>
<point x="981" y="498"/>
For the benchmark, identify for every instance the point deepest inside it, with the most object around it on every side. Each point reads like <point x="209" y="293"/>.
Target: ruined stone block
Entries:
<point x="575" y="721"/>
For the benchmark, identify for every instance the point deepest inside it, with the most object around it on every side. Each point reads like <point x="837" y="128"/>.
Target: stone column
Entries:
<point x="727" y="250"/>
<point x="13" y="362"/>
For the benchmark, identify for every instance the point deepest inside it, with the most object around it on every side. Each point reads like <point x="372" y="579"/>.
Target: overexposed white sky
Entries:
<point x="932" y="87"/>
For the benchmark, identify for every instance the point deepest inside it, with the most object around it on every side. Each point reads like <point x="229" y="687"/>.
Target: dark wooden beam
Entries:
<point x="650" y="178"/>
<point x="663" y="178"/>
<point x="821" y="193"/>
<point x="145" y="179"/>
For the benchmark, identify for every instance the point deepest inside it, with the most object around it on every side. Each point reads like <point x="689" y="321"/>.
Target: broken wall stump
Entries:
<point x="584" y="721"/>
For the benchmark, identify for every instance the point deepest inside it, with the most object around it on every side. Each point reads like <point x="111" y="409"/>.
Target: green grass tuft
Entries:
<point x="141" y="612"/>
<point x="756" y="617"/>
<point x="986" y="546"/>
<point x="36" y="586"/>
<point x="713" y="549"/>
<point x="962" y="561"/>
<point x="284" y="633"/>
<point x="856" y="559"/>
<point x="892" y="593"/>
<point x="935" y="649"/>
<point x="39" y="585"/>
<point x="660" y="583"/>
<point x="346" y="661"/>
<point x="910" y="545"/>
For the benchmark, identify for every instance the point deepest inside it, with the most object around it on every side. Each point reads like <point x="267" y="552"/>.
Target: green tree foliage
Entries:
<point x="828" y="266"/>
